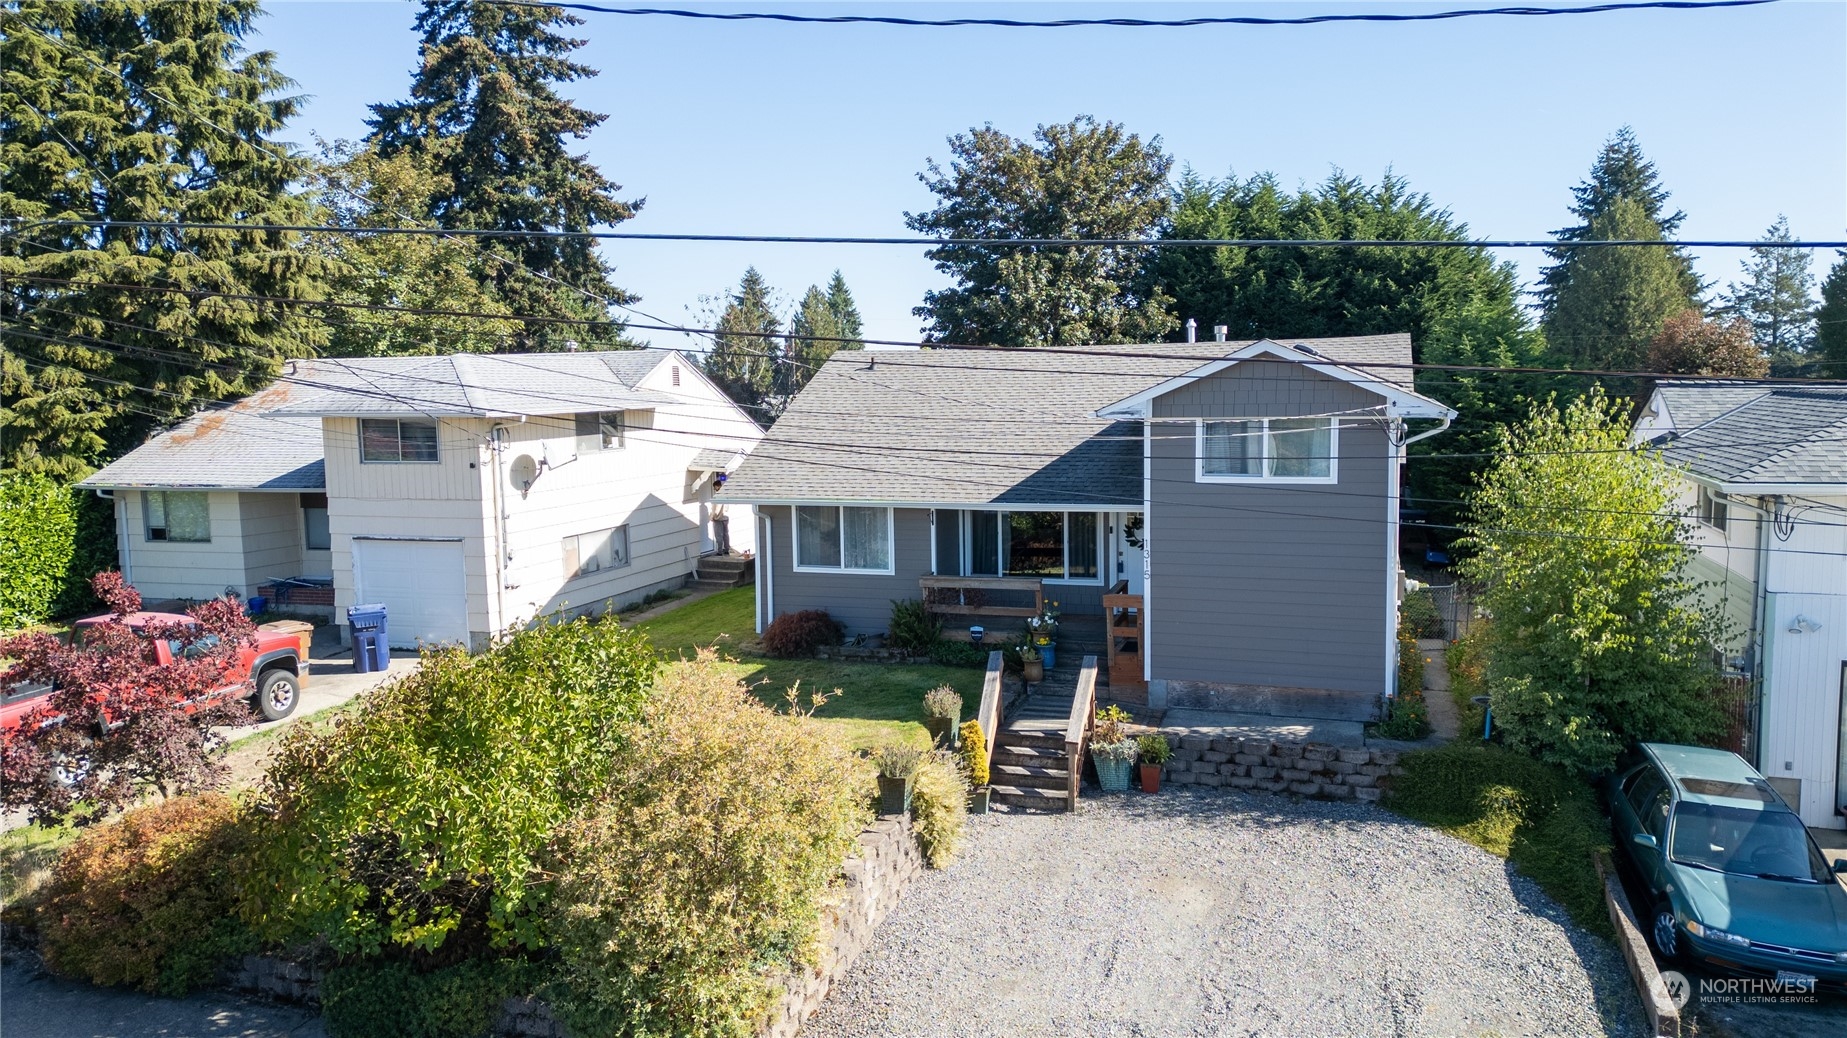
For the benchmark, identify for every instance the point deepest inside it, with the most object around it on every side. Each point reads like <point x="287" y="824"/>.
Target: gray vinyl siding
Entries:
<point x="861" y="601"/>
<point x="1269" y="584"/>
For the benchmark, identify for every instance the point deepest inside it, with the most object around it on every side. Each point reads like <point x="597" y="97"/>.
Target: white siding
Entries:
<point x="1802" y="701"/>
<point x="194" y="570"/>
<point x="273" y="539"/>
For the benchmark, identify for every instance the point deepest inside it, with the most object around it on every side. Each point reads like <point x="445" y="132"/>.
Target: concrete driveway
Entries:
<point x="332" y="679"/>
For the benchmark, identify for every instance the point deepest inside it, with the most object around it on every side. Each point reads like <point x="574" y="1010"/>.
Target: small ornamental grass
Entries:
<point x="146" y="901"/>
<point x="939" y="807"/>
<point x="943" y="702"/>
<point x="697" y="877"/>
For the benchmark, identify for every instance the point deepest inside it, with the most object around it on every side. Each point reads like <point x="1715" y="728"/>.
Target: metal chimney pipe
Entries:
<point x="1219" y="331"/>
<point x="1192" y="330"/>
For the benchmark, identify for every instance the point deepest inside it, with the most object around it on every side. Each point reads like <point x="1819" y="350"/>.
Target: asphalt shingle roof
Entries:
<point x="988" y="427"/>
<point x="243" y="446"/>
<point x="1767" y="433"/>
<point x="473" y="385"/>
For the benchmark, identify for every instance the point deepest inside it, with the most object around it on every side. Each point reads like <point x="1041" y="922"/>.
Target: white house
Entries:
<point x="467" y="493"/>
<point x="1766" y="491"/>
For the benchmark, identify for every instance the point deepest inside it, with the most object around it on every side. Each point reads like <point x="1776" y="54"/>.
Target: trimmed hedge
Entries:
<point x="38" y="540"/>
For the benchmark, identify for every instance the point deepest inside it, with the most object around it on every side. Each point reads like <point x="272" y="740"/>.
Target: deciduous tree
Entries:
<point x="1599" y="638"/>
<point x="1689" y="344"/>
<point x="1081" y="179"/>
<point x="139" y="110"/>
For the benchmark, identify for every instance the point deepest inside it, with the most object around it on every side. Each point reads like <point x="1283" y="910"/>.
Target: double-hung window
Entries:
<point x="843" y="537"/>
<point x="392" y="440"/>
<point x="1711" y="509"/>
<point x="601" y="431"/>
<point x="177" y="515"/>
<point x="594" y="552"/>
<point x="1291" y="450"/>
<point x="1048" y="545"/>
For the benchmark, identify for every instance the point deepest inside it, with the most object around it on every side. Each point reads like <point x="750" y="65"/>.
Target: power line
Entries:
<point x="1134" y="23"/>
<point x="984" y="243"/>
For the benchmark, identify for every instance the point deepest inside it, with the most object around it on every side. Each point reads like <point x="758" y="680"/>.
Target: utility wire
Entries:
<point x="1134" y="23"/>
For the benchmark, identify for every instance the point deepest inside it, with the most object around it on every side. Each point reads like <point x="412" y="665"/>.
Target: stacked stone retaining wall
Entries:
<point x="1305" y="769"/>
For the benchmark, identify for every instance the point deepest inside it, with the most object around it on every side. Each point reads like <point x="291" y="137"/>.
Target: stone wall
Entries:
<point x="871" y="883"/>
<point x="1306" y="769"/>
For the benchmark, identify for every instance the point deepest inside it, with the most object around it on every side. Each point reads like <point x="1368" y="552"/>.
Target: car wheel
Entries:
<point x="277" y="695"/>
<point x="1666" y="933"/>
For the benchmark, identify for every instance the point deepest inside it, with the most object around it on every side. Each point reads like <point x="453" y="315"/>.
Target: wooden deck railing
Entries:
<point x="1124" y="622"/>
<point x="1077" y="730"/>
<point x="988" y="715"/>
<point x="967" y="596"/>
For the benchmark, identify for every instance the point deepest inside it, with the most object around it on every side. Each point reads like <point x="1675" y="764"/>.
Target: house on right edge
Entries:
<point x="1233" y="505"/>
<point x="1765" y="489"/>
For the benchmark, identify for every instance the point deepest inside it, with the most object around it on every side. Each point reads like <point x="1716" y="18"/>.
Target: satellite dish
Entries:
<point x="523" y="473"/>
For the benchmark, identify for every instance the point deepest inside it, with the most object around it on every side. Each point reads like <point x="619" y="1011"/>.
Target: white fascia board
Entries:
<point x="1761" y="489"/>
<point x="1399" y="402"/>
<point x="203" y="489"/>
<point x="972" y="506"/>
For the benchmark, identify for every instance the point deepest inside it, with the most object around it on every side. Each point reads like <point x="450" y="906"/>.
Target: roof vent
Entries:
<point x="1192" y="330"/>
<point x="676" y="374"/>
<point x="1310" y="350"/>
<point x="1219" y="331"/>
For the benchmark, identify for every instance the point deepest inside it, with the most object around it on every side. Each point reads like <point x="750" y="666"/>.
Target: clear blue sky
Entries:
<point x="812" y="129"/>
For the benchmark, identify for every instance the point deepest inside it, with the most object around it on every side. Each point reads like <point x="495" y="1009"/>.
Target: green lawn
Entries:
<point x="878" y="702"/>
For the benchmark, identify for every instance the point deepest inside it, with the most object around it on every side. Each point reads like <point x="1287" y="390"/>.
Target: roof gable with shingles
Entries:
<point x="1768" y="434"/>
<point x="242" y="446"/>
<point x="476" y="385"/>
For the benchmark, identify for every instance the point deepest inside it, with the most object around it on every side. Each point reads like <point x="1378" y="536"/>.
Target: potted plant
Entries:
<point x="1042" y="632"/>
<point x="1155" y="754"/>
<point x="942" y="707"/>
<point x="1032" y="664"/>
<point x="897" y="771"/>
<point x="1112" y="749"/>
<point x="975" y="762"/>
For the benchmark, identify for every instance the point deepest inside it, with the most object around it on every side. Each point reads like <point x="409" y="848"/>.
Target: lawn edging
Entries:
<point x="871" y="882"/>
<point x="1663" y="1015"/>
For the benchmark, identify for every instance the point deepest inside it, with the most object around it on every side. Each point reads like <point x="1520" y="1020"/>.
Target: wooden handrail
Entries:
<point x="1077" y="729"/>
<point x="988" y="715"/>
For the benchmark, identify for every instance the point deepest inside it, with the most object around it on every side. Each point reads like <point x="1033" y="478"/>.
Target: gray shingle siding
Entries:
<point x="1268" y="584"/>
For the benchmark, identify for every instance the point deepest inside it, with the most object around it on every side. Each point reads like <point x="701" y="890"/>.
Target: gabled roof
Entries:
<point x="1757" y="437"/>
<point x="241" y="446"/>
<point x="1004" y="426"/>
<point x="474" y="385"/>
<point x="1400" y="402"/>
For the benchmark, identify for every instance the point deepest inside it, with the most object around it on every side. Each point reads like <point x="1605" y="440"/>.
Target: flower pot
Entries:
<point x="941" y="729"/>
<point x="1045" y="655"/>
<point x="1113" y="775"/>
<point x="1151" y="778"/>
<point x="978" y="800"/>
<point x="895" y="794"/>
<point x="1033" y="670"/>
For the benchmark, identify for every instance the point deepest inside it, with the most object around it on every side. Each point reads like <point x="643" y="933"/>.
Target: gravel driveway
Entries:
<point x="1224" y="913"/>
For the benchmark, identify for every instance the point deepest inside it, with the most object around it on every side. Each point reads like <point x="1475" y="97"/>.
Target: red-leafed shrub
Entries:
<point x="147" y="901"/>
<point x="793" y="635"/>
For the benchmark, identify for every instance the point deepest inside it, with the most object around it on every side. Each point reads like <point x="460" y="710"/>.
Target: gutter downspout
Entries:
<point x="497" y="444"/>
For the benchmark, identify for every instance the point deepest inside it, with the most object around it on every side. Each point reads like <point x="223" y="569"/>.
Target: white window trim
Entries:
<point x="1200" y="475"/>
<point x="147" y="518"/>
<point x="891" y="543"/>
<point x="628" y="553"/>
<point x="1103" y="520"/>
<point x="361" y="430"/>
<point x="1705" y="496"/>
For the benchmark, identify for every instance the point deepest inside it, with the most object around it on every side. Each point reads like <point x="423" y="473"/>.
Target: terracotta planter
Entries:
<point x="1151" y="778"/>
<point x="1033" y="670"/>
<point x="895" y="794"/>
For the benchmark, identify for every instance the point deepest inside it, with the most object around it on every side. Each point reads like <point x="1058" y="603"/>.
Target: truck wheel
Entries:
<point x="277" y="694"/>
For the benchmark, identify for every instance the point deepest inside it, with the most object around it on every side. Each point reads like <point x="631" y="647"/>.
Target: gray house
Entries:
<point x="1231" y="506"/>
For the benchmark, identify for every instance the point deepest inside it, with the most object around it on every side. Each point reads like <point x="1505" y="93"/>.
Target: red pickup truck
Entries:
<point x="276" y="661"/>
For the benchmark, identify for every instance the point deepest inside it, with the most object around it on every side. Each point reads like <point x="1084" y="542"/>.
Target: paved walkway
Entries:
<point x="40" y="1006"/>
<point x="1443" y="720"/>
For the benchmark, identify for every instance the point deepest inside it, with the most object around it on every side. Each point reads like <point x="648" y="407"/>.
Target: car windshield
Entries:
<point x="1769" y="844"/>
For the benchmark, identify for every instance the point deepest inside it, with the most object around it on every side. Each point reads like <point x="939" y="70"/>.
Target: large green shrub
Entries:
<point x="939" y="807"/>
<point x="38" y="537"/>
<point x="147" y="900"/>
<point x="371" y="999"/>
<point x="699" y="875"/>
<point x="418" y="822"/>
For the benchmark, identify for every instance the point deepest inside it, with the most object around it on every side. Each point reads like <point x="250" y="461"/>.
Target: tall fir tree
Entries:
<point x="485" y="117"/>
<point x="1777" y="297"/>
<point x="1831" y="322"/>
<point x="1081" y="179"/>
<point x="1615" y="300"/>
<point x="846" y="312"/>
<point x="745" y="358"/>
<point x="824" y="323"/>
<point x="1620" y="171"/>
<point x="140" y="110"/>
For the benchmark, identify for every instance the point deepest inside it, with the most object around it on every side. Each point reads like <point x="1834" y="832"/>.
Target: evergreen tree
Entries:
<point x="1777" y="298"/>
<point x="1831" y="322"/>
<point x="745" y="357"/>
<point x="1081" y="179"/>
<point x="484" y="116"/>
<point x="1621" y="171"/>
<point x="846" y="313"/>
<point x="139" y="110"/>
<point x="1614" y="301"/>
<point x="821" y="321"/>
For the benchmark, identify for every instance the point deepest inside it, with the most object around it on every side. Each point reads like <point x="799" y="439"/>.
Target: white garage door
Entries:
<point x="421" y="585"/>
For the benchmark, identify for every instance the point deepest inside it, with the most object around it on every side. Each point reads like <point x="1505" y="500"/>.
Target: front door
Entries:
<point x="1129" y="550"/>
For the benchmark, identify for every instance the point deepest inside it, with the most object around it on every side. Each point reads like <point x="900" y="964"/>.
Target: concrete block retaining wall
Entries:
<point x="871" y="883"/>
<point x="1306" y="769"/>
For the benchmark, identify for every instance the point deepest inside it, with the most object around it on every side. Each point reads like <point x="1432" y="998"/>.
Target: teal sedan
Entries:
<point x="1735" y="879"/>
